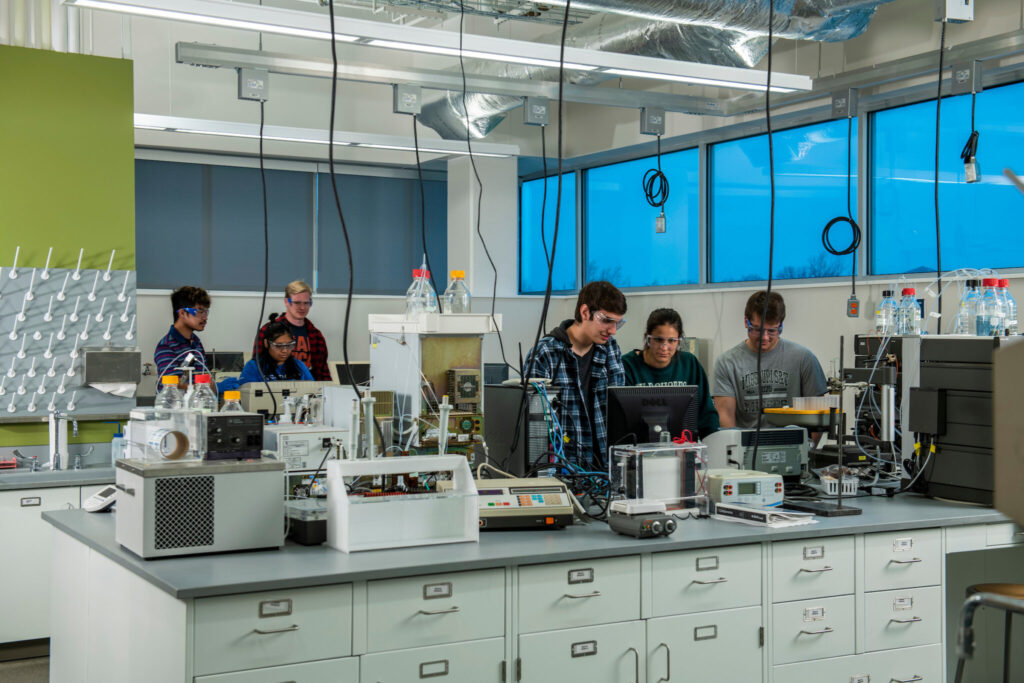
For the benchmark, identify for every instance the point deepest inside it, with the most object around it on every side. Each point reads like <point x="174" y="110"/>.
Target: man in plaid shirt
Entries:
<point x="310" y="345"/>
<point x="582" y="359"/>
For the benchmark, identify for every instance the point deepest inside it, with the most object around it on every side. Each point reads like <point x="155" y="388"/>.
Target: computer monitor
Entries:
<point x="360" y="372"/>
<point x="225" y="361"/>
<point x="640" y="414"/>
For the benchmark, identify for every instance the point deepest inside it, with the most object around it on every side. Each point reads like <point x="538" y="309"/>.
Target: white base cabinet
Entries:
<point x="613" y="653"/>
<point x="910" y="665"/>
<point x="709" y="646"/>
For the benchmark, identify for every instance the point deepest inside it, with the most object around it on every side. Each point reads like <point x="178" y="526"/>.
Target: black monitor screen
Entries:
<point x="225" y="361"/>
<point x="640" y="414"/>
<point x="360" y="372"/>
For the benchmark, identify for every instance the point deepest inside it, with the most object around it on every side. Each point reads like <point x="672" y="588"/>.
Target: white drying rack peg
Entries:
<point x="45" y="275"/>
<point x="77" y="275"/>
<point x="110" y="264"/>
<point x="14" y="266"/>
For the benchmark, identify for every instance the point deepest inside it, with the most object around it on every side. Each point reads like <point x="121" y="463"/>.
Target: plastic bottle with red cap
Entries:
<point x="1009" y="307"/>
<point x="990" y="310"/>
<point x="204" y="398"/>
<point x="909" y="319"/>
<point x="420" y="297"/>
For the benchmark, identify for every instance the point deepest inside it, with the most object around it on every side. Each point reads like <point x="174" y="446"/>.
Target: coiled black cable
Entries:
<point x="656" y="184"/>
<point x="826" y="239"/>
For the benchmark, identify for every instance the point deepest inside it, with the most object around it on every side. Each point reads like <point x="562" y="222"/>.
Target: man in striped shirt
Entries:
<point x="191" y="309"/>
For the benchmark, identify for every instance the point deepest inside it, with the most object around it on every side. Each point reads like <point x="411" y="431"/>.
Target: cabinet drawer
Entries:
<point x="435" y="609"/>
<point x="702" y="580"/>
<point x="903" y="618"/>
<point x="334" y="670"/>
<point x="902" y="559"/>
<point x="813" y="629"/>
<point x="255" y="630"/>
<point x="711" y="646"/>
<point x="479" y="661"/>
<point x="567" y="594"/>
<point x="812" y="568"/>
<point x="911" y="665"/>
<point x="1006" y="533"/>
<point x="612" y="653"/>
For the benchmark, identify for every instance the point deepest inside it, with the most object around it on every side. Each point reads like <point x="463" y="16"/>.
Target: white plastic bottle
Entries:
<point x="420" y="297"/>
<point x="117" y="447"/>
<point x="1009" y="307"/>
<point x="967" y="313"/>
<point x="885" y="316"/>
<point x="204" y="398"/>
<point x="990" y="310"/>
<point x="232" y="402"/>
<point x="170" y="395"/>
<point x="456" y="298"/>
<point x="909" y="319"/>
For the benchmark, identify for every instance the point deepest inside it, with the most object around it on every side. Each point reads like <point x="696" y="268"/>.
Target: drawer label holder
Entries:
<point x="586" y="648"/>
<point x="706" y="564"/>
<point x="581" y="576"/>
<point x="437" y="591"/>
<point x="31" y="502"/>
<point x="434" y="669"/>
<point x="814" y="613"/>
<point x="275" y="608"/>
<point x="814" y="552"/>
<point x="903" y="544"/>
<point x="860" y="678"/>
<point x="705" y="632"/>
<point x="904" y="603"/>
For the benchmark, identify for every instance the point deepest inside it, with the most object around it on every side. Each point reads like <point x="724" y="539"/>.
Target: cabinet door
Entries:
<point x="27" y="543"/>
<point x="911" y="665"/>
<point x="613" y="653"/>
<point x="689" y="581"/>
<point x="710" y="646"/>
<point x="812" y="568"/>
<point x="333" y="670"/>
<point x="568" y="594"/>
<point x="478" y="661"/>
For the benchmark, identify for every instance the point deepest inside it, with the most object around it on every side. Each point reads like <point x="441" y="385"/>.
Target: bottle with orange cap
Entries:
<point x="456" y="298"/>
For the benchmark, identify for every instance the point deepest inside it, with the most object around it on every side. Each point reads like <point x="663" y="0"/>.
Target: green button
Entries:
<point x="491" y="504"/>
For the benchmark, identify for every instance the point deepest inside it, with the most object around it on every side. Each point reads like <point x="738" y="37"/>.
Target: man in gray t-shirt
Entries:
<point x="787" y="368"/>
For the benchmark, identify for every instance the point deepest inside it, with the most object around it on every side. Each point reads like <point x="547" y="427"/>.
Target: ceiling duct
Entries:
<point x="728" y="33"/>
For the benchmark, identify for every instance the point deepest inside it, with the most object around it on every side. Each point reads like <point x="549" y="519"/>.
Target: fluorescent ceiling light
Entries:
<point x="226" y="14"/>
<point x="694" y="80"/>
<point x="476" y="54"/>
<point x="435" y="41"/>
<point x="229" y="129"/>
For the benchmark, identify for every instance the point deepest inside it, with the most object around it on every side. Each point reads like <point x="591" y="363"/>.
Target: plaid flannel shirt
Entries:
<point x="317" y="351"/>
<point x="553" y="358"/>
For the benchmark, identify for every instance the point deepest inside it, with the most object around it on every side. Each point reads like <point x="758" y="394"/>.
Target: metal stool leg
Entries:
<point x="959" y="670"/>
<point x="1006" y="647"/>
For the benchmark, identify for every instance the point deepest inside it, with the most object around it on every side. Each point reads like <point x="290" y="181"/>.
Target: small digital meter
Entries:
<point x="745" y="487"/>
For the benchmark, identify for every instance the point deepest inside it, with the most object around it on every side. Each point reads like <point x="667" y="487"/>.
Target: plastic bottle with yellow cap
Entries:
<point x="232" y="402"/>
<point x="170" y="395"/>
<point x="456" y="298"/>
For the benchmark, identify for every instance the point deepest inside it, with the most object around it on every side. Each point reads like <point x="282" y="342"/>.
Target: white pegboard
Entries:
<point x="47" y="317"/>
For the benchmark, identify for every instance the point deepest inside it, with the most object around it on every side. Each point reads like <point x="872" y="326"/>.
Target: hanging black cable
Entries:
<point x="423" y="205"/>
<point x="771" y="228"/>
<point x="544" y="193"/>
<point x="266" y="261"/>
<point x="826" y="240"/>
<point x="656" y="185"/>
<point x="341" y="217"/>
<point x="970" y="150"/>
<point x="938" y="239"/>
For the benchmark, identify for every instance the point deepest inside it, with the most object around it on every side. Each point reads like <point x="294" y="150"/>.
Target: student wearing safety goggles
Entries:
<point x="275" y="360"/>
<point x="190" y="308"/>
<point x="788" y="369"/>
<point x="310" y="345"/>
<point x="662" y="363"/>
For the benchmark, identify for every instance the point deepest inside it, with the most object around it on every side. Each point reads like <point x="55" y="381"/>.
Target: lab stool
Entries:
<point x="1005" y="596"/>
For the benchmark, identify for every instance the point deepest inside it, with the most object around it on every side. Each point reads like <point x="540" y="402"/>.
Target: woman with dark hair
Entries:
<point x="275" y="358"/>
<point x="662" y="363"/>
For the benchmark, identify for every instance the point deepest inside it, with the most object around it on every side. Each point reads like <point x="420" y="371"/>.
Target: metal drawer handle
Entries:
<point x="720" y="579"/>
<point x="267" y="632"/>
<point x="122" y="487"/>
<point x="450" y="610"/>
<point x="911" y="620"/>
<point x="915" y="679"/>
<point x="1019" y="533"/>
<point x="636" y="663"/>
<point x="816" y="571"/>
<point x="577" y="596"/>
<point x="911" y="561"/>
<point x="827" y="629"/>
<point x="668" y="662"/>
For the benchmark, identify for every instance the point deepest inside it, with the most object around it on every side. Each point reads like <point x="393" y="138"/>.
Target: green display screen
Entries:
<point x="747" y="489"/>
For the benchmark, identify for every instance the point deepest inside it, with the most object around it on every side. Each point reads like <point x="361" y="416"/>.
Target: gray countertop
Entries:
<point x="295" y="566"/>
<point x="14" y="480"/>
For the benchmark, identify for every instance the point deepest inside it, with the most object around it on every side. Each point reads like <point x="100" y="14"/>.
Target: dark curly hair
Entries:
<point x="277" y="326"/>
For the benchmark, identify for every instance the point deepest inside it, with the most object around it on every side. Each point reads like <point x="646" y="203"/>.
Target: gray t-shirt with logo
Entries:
<point x="787" y="371"/>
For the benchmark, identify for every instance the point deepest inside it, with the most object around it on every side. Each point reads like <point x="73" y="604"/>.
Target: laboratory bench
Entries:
<point x="872" y="597"/>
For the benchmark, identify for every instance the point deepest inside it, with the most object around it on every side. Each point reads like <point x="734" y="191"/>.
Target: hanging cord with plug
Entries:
<point x="826" y="240"/>
<point x="938" y="118"/>
<point x="970" y="151"/>
<point x="266" y="260"/>
<point x="656" y="186"/>
<point x="423" y="204"/>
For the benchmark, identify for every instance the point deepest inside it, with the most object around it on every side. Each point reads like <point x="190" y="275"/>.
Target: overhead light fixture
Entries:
<point x="230" y="129"/>
<point x="435" y="41"/>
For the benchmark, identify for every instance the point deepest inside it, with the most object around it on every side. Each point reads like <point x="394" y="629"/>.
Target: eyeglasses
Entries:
<point x="286" y="346"/>
<point x="768" y="331"/>
<point x="602" y="319"/>
<point x="663" y="341"/>
<point x="198" y="312"/>
<point x="300" y="303"/>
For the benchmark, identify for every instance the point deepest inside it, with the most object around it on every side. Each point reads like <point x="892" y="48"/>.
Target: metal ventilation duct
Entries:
<point x="729" y="33"/>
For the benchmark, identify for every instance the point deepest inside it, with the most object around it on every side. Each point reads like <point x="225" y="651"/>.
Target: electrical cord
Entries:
<point x="938" y="115"/>
<point x="423" y="204"/>
<point x="771" y="228"/>
<point x="970" y="150"/>
<point x="656" y="185"/>
<point x="266" y="260"/>
<point x="544" y="193"/>
<point x="826" y="240"/>
<point x="341" y="217"/>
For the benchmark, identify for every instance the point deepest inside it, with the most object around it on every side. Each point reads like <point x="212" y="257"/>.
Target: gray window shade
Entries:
<point x="383" y="219"/>
<point x="168" y="224"/>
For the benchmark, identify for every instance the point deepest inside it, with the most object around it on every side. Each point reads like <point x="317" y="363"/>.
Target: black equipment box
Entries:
<point x="233" y="436"/>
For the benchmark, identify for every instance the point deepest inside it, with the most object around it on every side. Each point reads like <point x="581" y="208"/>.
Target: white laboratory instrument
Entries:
<point x="303" y="447"/>
<point x="101" y="500"/>
<point x="745" y="487"/>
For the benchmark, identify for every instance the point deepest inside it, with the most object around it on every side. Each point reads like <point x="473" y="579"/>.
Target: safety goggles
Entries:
<point x="196" y="311"/>
<point x="286" y="346"/>
<point x="756" y="330"/>
<point x="301" y="303"/>
<point x="603" y="319"/>
<point x="663" y="341"/>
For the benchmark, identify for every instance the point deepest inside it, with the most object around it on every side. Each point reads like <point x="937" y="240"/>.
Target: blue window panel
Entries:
<point x="622" y="246"/>
<point x="810" y="190"/>
<point x="533" y="267"/>
<point x="979" y="221"/>
<point x="383" y="220"/>
<point x="169" y="224"/>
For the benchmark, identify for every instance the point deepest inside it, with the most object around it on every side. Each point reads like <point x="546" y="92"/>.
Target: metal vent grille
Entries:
<point x="774" y="437"/>
<point x="183" y="517"/>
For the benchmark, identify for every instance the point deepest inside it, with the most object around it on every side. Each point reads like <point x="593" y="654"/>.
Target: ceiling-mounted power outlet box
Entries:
<point x="652" y="121"/>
